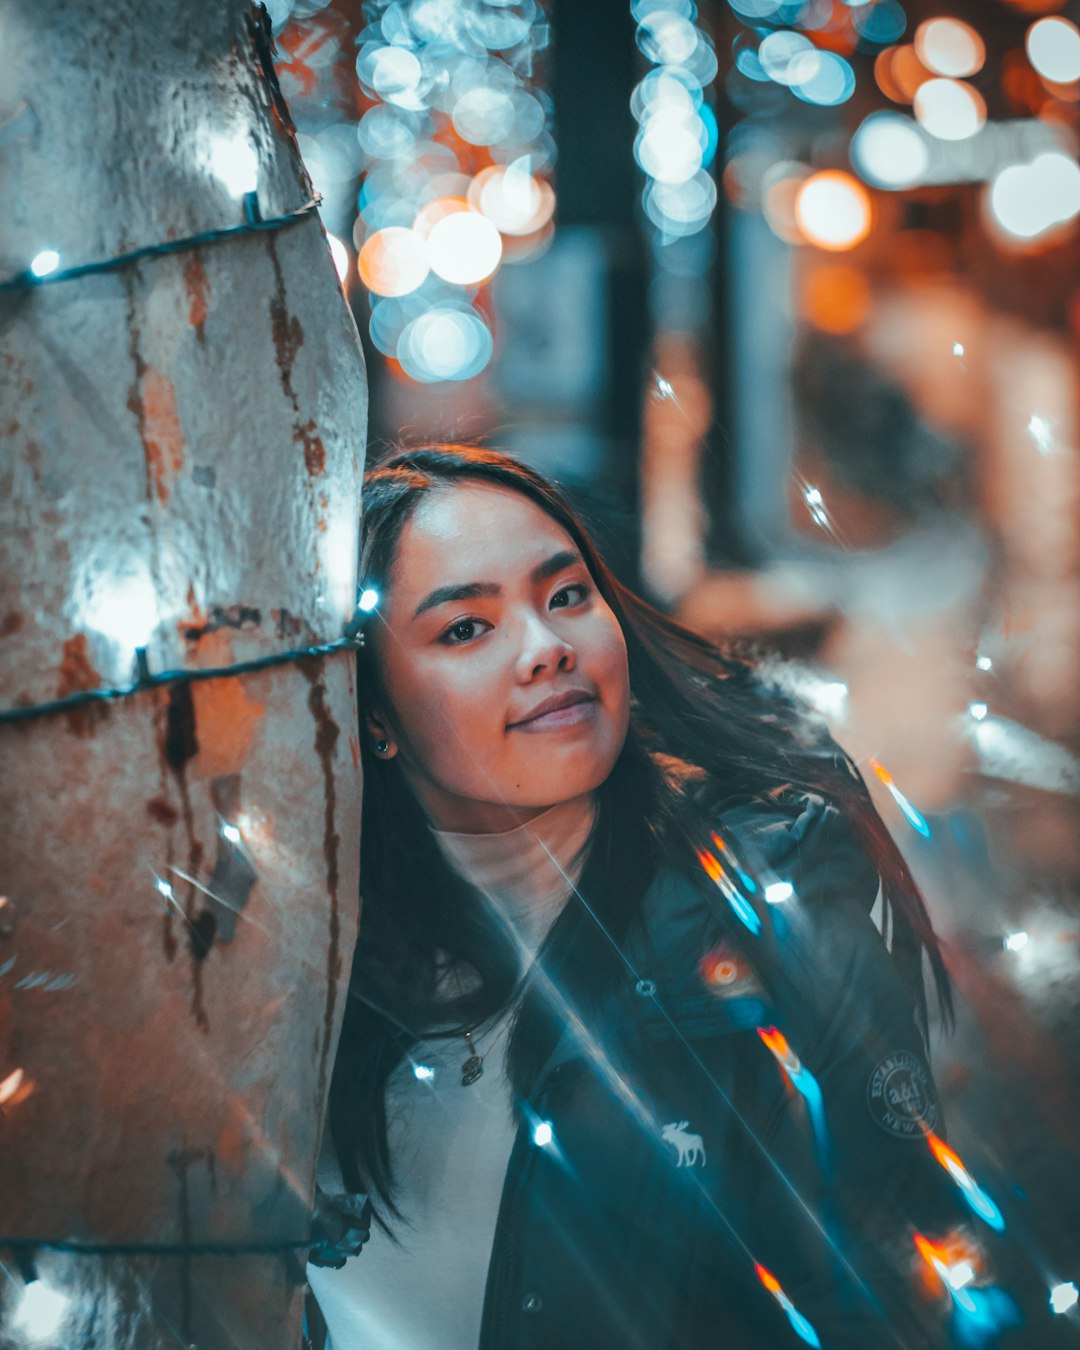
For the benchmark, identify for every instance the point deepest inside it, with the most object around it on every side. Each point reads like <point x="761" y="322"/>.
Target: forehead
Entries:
<point x="473" y="532"/>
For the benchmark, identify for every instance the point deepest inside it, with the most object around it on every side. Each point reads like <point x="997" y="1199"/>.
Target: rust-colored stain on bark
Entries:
<point x="163" y="439"/>
<point x="10" y="623"/>
<point x="228" y="718"/>
<point x="162" y="811"/>
<point x="197" y="286"/>
<point x="76" y="674"/>
<point x="327" y="732"/>
<point x="314" y="450"/>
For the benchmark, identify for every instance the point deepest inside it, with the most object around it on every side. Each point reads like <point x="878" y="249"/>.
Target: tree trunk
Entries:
<point x="181" y="444"/>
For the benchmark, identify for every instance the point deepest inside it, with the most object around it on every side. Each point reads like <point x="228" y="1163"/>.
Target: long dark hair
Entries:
<point x="691" y="705"/>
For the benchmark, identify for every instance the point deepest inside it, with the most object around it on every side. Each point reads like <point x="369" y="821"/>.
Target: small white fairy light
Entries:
<point x="40" y="1310"/>
<point x="1064" y="1296"/>
<point x="424" y="1072"/>
<point x="48" y="260"/>
<point x="543" y="1134"/>
<point x="958" y="349"/>
<point x="960" y="1274"/>
<point x="778" y="892"/>
<point x="230" y="832"/>
<point x="664" y="389"/>
<point x="816" y="504"/>
<point x="369" y="599"/>
<point x="235" y="164"/>
<point x="984" y="663"/>
<point x="1016" y="942"/>
<point x="164" y="888"/>
<point x="978" y="711"/>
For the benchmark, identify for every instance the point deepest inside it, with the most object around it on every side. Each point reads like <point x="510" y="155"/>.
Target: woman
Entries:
<point x="625" y="1061"/>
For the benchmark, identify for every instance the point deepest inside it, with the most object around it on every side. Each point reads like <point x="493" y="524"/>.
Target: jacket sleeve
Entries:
<point x="859" y="1085"/>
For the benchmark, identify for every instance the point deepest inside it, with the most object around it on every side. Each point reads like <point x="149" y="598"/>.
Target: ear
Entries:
<point x="379" y="734"/>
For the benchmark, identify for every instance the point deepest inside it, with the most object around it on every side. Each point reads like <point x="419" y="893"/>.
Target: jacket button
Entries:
<point x="532" y="1303"/>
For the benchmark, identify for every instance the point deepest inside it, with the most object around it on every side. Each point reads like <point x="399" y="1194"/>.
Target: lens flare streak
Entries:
<point x="911" y="815"/>
<point x="803" y="1081"/>
<point x="743" y="909"/>
<point x="977" y="1199"/>
<point x="799" y="1324"/>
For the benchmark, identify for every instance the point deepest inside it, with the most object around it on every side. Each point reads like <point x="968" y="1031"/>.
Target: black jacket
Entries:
<point x="735" y="1154"/>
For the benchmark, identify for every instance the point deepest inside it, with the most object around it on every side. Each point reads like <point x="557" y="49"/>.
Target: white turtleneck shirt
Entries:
<point x="449" y="1143"/>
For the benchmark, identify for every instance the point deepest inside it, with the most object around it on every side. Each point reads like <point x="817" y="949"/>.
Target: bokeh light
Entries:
<point x="393" y="261"/>
<point x="464" y="248"/>
<point x="1053" y="48"/>
<point x="447" y="342"/>
<point x="949" y="47"/>
<point x="1029" y="200"/>
<point x="834" y="210"/>
<point x="515" y="201"/>
<point x="820" y="77"/>
<point x="677" y="128"/>
<point x="889" y="150"/>
<point x="880" y="22"/>
<point x="949" y="109"/>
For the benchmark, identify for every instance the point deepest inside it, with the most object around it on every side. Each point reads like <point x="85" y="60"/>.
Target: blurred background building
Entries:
<point x="786" y="292"/>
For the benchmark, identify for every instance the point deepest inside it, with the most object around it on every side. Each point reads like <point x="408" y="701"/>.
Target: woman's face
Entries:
<point x="504" y="668"/>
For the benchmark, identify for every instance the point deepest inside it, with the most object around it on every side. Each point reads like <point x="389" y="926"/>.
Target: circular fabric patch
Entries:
<point x="901" y="1097"/>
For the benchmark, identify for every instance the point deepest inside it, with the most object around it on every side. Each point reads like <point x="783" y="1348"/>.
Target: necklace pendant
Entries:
<point x="471" y="1070"/>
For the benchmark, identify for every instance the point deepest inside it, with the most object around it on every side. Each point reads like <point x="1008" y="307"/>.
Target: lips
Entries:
<point x="555" y="703"/>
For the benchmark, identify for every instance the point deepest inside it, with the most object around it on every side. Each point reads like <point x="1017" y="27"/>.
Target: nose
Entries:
<point x="542" y="649"/>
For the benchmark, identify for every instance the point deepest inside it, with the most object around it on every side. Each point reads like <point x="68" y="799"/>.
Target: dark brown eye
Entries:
<point x="581" y="591"/>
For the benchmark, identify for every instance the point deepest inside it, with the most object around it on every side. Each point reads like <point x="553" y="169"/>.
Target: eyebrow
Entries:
<point x="478" y="590"/>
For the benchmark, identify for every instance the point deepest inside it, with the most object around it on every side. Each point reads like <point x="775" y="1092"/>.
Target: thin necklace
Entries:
<point x="473" y="1067"/>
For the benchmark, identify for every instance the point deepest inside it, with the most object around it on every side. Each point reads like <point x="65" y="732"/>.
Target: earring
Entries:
<point x="381" y="747"/>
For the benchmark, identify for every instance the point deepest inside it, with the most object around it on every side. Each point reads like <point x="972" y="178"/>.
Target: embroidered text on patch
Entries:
<point x="901" y="1096"/>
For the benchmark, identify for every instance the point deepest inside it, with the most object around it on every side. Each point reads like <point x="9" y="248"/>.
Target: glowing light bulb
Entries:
<point x="1016" y="942"/>
<point x="958" y="349"/>
<point x="48" y="260"/>
<point x="424" y="1072"/>
<point x="369" y="598"/>
<point x="984" y="663"/>
<point x="778" y="892"/>
<point x="40" y="1311"/>
<point x="978" y="711"/>
<point x="164" y="888"/>
<point x="234" y="162"/>
<point x="960" y="1275"/>
<point x="230" y="832"/>
<point x="1063" y="1297"/>
<point x="543" y="1134"/>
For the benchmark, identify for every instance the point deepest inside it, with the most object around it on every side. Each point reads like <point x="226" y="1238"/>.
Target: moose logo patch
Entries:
<point x="689" y="1147"/>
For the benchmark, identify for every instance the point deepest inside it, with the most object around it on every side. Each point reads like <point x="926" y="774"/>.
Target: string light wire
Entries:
<point x="352" y="641"/>
<point x="254" y="223"/>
